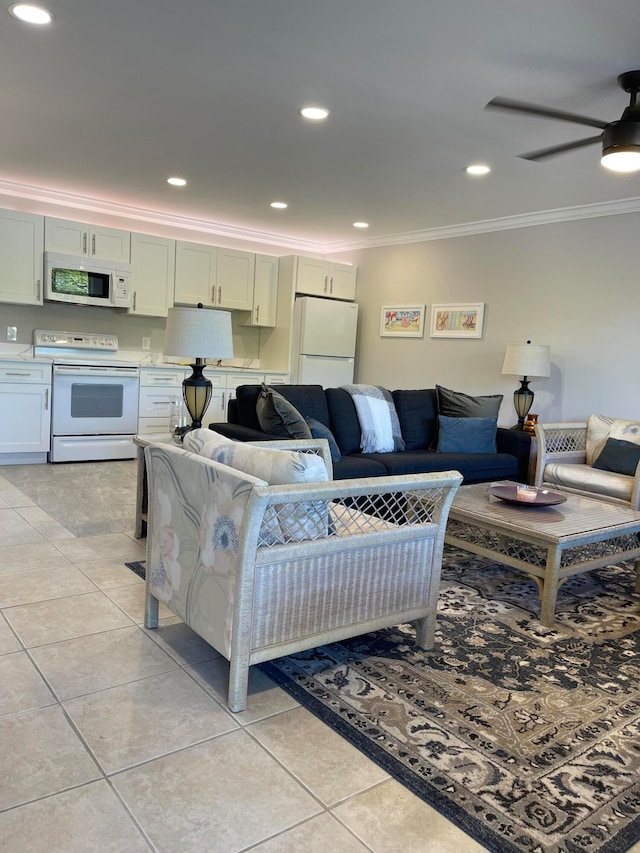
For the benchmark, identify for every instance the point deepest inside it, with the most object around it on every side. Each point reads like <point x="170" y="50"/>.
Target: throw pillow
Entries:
<point x="600" y="428"/>
<point x="279" y="417"/>
<point x="467" y="435"/>
<point x="319" y="430"/>
<point x="455" y="404"/>
<point x="282" y="522"/>
<point x="619" y="456"/>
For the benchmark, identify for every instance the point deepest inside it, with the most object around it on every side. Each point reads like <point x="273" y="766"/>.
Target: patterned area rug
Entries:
<point x="528" y="738"/>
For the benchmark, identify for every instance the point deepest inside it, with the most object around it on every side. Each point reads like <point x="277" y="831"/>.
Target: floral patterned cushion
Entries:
<point x="600" y="428"/>
<point x="285" y="522"/>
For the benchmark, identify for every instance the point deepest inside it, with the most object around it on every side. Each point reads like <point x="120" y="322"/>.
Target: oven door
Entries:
<point x="94" y="400"/>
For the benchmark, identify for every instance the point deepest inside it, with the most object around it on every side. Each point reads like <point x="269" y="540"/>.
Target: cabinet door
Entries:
<point x="265" y="291"/>
<point x="109" y="244"/>
<point x="79" y="238"/>
<point x="195" y="274"/>
<point x="65" y="236"/>
<point x="234" y="279"/>
<point x="21" y="244"/>
<point x="25" y="418"/>
<point x="312" y="277"/>
<point x="342" y="281"/>
<point x="152" y="274"/>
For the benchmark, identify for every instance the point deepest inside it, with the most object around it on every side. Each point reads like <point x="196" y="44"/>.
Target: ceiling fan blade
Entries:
<point x="543" y="153"/>
<point x="543" y="112"/>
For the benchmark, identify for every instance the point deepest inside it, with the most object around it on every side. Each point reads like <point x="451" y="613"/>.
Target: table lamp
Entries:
<point x="525" y="360"/>
<point x="207" y="333"/>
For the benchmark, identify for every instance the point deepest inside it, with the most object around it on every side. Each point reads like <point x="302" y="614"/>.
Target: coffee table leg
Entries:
<point x="550" y="587"/>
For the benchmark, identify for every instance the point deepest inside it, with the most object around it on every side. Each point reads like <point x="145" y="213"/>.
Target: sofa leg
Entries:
<point x="238" y="686"/>
<point x="426" y="631"/>
<point x="151" y="605"/>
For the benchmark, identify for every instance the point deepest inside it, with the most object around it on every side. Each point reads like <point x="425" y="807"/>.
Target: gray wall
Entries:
<point x="573" y="285"/>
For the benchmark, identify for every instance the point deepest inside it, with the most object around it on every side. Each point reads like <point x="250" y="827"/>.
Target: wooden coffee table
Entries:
<point x="549" y="544"/>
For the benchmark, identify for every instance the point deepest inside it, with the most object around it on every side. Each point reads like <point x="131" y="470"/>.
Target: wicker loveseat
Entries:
<point x="569" y="459"/>
<point x="260" y="571"/>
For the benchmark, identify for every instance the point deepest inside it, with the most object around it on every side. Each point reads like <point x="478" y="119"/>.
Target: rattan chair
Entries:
<point x="224" y="553"/>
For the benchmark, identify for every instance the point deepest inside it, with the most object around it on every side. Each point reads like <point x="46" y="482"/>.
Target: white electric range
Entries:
<point x="94" y="396"/>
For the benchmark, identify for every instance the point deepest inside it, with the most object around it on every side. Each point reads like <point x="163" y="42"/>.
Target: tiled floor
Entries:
<point x="115" y="738"/>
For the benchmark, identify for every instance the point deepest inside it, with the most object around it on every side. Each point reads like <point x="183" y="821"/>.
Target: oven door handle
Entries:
<point x="123" y="372"/>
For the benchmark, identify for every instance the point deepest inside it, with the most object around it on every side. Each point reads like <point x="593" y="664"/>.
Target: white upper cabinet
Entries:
<point x="152" y="275"/>
<point x="218" y="278"/>
<point x="195" y="274"/>
<point x="89" y="241"/>
<point x="234" y="279"/>
<point x="265" y="292"/>
<point x="21" y="246"/>
<point x="325" y="278"/>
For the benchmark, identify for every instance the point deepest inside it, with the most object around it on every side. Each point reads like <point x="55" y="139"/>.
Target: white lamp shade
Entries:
<point x="527" y="360"/>
<point x="199" y="333"/>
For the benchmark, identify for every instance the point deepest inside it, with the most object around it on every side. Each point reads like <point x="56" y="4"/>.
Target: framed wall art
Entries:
<point x="457" y="320"/>
<point x="402" y="321"/>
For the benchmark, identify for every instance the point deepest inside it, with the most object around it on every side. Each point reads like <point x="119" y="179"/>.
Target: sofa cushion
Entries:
<point x="467" y="435"/>
<point x="619" y="456"/>
<point x="343" y="420"/>
<point x="474" y="467"/>
<point x="319" y="430"/>
<point x="309" y="400"/>
<point x="600" y="428"/>
<point x="287" y="523"/>
<point x="418" y="416"/>
<point x="357" y="465"/>
<point x="584" y="478"/>
<point x="279" y="417"/>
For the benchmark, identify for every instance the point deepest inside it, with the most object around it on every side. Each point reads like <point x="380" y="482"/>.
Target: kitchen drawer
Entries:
<point x="156" y="402"/>
<point x="153" y="426"/>
<point x="276" y="378"/>
<point x="217" y="379"/>
<point x="156" y="377"/>
<point x="25" y="371"/>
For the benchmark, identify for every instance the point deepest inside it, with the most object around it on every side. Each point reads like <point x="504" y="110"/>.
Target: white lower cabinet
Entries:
<point x="25" y="412"/>
<point x="159" y="386"/>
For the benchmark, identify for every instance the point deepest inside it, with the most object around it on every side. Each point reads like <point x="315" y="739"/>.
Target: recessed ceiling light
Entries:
<point x="279" y="205"/>
<point x="477" y="169"/>
<point x="360" y="224"/>
<point x="31" y="14"/>
<point x="177" y="182"/>
<point x="314" y="113"/>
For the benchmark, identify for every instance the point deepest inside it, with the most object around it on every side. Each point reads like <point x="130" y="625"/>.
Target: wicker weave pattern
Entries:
<point x="566" y="439"/>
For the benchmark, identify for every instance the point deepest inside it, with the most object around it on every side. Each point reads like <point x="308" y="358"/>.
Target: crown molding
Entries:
<point x="465" y="229"/>
<point x="42" y="195"/>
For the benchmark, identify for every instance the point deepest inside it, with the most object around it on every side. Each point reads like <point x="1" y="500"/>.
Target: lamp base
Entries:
<point x="196" y="390"/>
<point x="522" y="400"/>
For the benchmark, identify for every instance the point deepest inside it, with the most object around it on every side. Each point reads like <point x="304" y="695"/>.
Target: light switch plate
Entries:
<point x="12" y="333"/>
<point x="146" y="343"/>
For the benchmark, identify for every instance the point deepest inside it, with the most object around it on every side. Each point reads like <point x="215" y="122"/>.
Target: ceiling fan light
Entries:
<point x="622" y="159"/>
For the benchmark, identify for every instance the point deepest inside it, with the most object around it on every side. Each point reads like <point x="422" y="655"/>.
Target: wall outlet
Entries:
<point x="12" y="333"/>
<point x="146" y="343"/>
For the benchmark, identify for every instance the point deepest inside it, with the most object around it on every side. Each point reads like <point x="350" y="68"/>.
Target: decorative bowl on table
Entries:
<point x="526" y="495"/>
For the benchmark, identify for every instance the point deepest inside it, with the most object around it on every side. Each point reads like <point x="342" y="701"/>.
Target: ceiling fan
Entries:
<point x="620" y="139"/>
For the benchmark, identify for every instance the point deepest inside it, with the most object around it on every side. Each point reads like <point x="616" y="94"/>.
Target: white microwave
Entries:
<point x="68" y="278"/>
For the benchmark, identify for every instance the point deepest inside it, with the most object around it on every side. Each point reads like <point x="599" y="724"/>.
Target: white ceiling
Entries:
<point x="117" y="95"/>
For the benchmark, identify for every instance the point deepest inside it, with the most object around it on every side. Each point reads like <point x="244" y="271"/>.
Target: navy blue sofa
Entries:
<point x="418" y="416"/>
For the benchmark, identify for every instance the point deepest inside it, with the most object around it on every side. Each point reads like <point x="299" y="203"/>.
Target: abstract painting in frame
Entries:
<point x="402" y="321"/>
<point x="457" y="320"/>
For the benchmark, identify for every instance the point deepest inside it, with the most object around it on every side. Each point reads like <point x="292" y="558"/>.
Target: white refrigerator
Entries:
<point x="324" y="342"/>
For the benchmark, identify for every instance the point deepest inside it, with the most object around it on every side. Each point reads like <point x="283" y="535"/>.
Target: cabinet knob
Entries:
<point x="325" y="283"/>
<point x="38" y="290"/>
<point x="46" y="399"/>
<point x="84" y="243"/>
<point x="331" y="287"/>
<point x="135" y="293"/>
<point x="257" y="313"/>
<point x="93" y="244"/>
<point x="220" y="295"/>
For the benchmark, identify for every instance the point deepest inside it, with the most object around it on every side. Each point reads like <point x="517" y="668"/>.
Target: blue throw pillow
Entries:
<point x="467" y="435"/>
<point x="619" y="456"/>
<point x="319" y="430"/>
